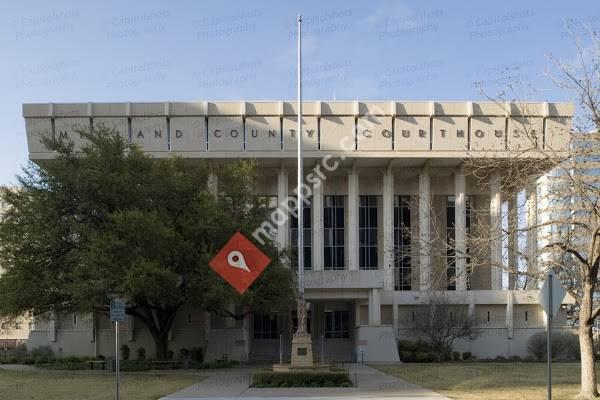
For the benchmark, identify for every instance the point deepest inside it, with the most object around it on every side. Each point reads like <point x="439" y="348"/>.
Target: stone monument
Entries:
<point x="302" y="356"/>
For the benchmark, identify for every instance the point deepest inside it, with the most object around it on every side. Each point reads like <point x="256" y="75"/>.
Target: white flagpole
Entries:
<point x="299" y="183"/>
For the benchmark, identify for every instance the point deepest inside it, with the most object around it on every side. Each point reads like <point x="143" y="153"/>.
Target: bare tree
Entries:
<point x="443" y="322"/>
<point x="567" y="227"/>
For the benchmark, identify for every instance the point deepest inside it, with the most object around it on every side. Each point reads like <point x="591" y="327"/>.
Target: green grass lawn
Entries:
<point x="84" y="385"/>
<point x="505" y="381"/>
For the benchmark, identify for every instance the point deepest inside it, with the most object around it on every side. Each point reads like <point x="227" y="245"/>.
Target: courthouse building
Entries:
<point x="394" y="190"/>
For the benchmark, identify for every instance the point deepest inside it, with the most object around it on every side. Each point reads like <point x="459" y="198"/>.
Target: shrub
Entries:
<point x="268" y="378"/>
<point x="134" y="365"/>
<point x="18" y="353"/>
<point x="170" y="354"/>
<point x="565" y="346"/>
<point x="424" y="357"/>
<point x="406" y="346"/>
<point x="42" y="354"/>
<point x="184" y="354"/>
<point x="467" y="355"/>
<point x="407" y="356"/>
<point x="141" y="353"/>
<point x="414" y="347"/>
<point x="455" y="356"/>
<point x="197" y="354"/>
<point x="125" y="352"/>
<point x="536" y="346"/>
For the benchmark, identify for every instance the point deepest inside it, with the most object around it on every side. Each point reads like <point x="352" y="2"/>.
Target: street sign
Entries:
<point x="117" y="310"/>
<point x="551" y="297"/>
<point x="558" y="294"/>
<point x="239" y="262"/>
<point x="117" y="314"/>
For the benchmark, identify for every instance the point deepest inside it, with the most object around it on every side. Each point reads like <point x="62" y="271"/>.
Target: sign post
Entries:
<point x="551" y="296"/>
<point x="117" y="314"/>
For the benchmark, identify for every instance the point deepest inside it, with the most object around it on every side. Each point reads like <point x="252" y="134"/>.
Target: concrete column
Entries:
<point x="471" y="304"/>
<point x="317" y="226"/>
<point x="282" y="194"/>
<point x="357" y="313"/>
<point x="513" y="240"/>
<point x="374" y="307"/>
<point x="545" y="208"/>
<point x="395" y="314"/>
<point x="388" y="230"/>
<point x="206" y="324"/>
<point x="509" y="314"/>
<point x="92" y="327"/>
<point x="52" y="326"/>
<point x="213" y="183"/>
<point x="247" y="337"/>
<point x="460" y="229"/>
<point x="424" y="230"/>
<point x="130" y="326"/>
<point x="353" y="244"/>
<point x="495" y="232"/>
<point x="532" y="243"/>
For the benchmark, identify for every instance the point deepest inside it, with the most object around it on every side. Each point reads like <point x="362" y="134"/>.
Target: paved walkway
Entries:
<point x="372" y="384"/>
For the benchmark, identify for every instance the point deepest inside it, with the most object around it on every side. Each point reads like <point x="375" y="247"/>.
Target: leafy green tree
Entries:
<point x="107" y="220"/>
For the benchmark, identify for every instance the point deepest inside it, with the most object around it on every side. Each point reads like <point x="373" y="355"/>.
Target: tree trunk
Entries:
<point x="588" y="389"/>
<point x="159" y="325"/>
<point x="161" y="346"/>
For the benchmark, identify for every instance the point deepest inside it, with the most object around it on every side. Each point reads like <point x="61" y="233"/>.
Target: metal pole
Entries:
<point x="280" y="349"/>
<point x="549" y="338"/>
<point x="117" y="357"/>
<point x="299" y="179"/>
<point x="322" y="350"/>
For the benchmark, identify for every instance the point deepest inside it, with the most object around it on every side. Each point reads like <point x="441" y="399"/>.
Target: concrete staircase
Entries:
<point x="266" y="351"/>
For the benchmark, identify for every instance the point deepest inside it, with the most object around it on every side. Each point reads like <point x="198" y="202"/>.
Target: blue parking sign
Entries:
<point x="117" y="310"/>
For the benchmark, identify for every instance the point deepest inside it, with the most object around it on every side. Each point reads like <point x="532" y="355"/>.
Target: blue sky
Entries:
<point x="73" y="51"/>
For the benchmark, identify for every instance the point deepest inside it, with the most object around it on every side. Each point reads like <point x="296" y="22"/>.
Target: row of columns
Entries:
<point x="424" y="220"/>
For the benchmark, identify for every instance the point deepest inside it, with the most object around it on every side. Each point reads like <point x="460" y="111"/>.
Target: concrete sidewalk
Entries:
<point x="372" y="384"/>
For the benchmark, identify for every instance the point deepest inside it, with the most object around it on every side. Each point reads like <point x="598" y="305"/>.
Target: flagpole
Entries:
<point x="301" y="323"/>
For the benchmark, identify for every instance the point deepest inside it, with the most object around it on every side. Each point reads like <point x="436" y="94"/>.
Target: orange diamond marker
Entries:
<point x="239" y="262"/>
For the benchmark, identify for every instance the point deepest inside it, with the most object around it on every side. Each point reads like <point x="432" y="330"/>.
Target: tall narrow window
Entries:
<point x="307" y="237"/>
<point x="337" y="324"/>
<point x="266" y="205"/>
<point x="467" y="235"/>
<point x="450" y="241"/>
<point x="402" y="259"/>
<point x="265" y="326"/>
<point x="450" y="237"/>
<point x="367" y="228"/>
<point x="333" y="216"/>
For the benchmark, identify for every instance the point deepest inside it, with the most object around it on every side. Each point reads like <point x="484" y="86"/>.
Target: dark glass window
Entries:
<point x="266" y="205"/>
<point x="402" y="250"/>
<point x="450" y="240"/>
<point x="333" y="223"/>
<point x="265" y="326"/>
<point x="307" y="236"/>
<point x="367" y="229"/>
<point x="337" y="324"/>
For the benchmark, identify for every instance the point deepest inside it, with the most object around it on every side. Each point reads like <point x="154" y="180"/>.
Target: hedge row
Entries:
<point x="268" y="378"/>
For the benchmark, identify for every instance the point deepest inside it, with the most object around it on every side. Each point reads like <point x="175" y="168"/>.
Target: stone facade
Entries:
<point x="383" y="162"/>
